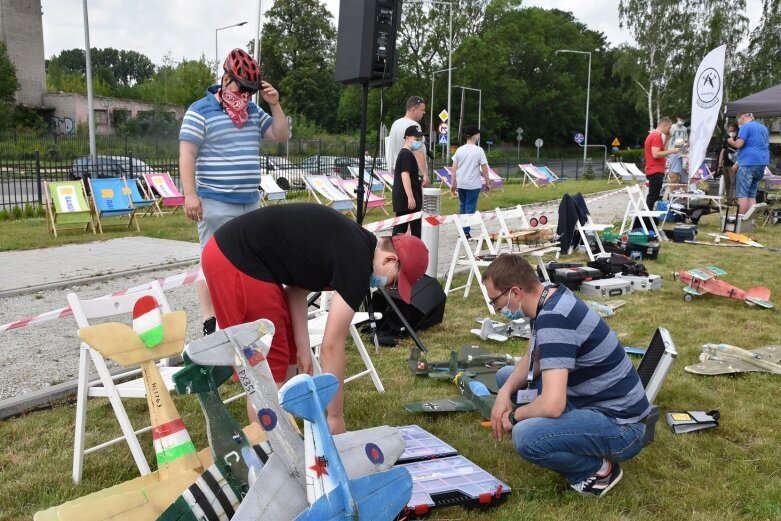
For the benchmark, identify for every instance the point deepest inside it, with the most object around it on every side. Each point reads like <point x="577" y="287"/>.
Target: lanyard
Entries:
<point x="533" y="339"/>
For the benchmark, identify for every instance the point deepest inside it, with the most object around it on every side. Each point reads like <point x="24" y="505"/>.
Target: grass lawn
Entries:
<point x="726" y="473"/>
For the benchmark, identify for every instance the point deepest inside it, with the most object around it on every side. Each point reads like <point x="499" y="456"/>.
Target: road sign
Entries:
<point x="579" y="138"/>
<point x="442" y="139"/>
<point x="616" y="143"/>
<point x="443" y="128"/>
<point x="489" y="142"/>
<point x="443" y="115"/>
<point x="519" y="130"/>
<point x="538" y="142"/>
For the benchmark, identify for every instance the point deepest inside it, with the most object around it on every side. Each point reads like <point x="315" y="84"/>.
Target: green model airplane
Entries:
<point x="470" y="358"/>
<point x="475" y="396"/>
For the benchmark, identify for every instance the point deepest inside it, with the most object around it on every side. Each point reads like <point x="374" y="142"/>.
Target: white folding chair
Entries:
<point x="589" y="226"/>
<point x="470" y="255"/>
<point x="506" y="236"/>
<point x="106" y="386"/>
<point x="316" y="325"/>
<point x="636" y="207"/>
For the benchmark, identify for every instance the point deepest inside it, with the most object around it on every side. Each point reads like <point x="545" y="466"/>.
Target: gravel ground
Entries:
<point x="47" y="353"/>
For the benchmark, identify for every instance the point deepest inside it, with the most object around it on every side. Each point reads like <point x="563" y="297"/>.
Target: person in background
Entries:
<point x="416" y="109"/>
<point x="679" y="138"/>
<point x="470" y="168"/>
<point x="753" y="148"/>
<point x="727" y="164"/>
<point x="655" y="159"/>
<point x="407" y="185"/>
<point x="219" y="153"/>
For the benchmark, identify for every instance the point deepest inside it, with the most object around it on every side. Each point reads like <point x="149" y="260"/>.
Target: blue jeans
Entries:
<point x="575" y="443"/>
<point x="468" y="200"/>
<point x="748" y="180"/>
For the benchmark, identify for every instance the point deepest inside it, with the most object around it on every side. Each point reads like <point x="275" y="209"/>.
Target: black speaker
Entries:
<point x="366" y="42"/>
<point x="426" y="307"/>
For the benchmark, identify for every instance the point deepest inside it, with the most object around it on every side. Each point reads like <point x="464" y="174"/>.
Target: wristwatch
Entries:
<point x="511" y="416"/>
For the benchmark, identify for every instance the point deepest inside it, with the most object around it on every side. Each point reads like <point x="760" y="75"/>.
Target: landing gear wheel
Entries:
<point x="688" y="297"/>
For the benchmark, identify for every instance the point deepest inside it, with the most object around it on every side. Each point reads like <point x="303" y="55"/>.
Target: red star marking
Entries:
<point x="320" y="466"/>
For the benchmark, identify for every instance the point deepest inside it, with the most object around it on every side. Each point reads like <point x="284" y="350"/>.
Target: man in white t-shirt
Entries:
<point x="469" y="166"/>
<point x="416" y="109"/>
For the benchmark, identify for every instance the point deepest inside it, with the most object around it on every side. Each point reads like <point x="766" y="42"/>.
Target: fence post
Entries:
<point x="38" y="175"/>
<point x="126" y="151"/>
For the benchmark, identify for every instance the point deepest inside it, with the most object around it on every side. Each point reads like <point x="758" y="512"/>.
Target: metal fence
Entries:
<point x="22" y="179"/>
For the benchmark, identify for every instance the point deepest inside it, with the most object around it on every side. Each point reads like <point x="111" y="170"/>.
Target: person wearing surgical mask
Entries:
<point x="728" y="165"/>
<point x="407" y="183"/>
<point x="574" y="403"/>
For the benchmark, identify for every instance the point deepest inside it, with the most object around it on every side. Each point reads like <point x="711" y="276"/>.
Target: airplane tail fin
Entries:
<point x="377" y="496"/>
<point x="297" y="395"/>
<point x="758" y="293"/>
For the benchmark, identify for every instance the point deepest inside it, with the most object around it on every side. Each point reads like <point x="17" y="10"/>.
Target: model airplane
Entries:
<point x="280" y="489"/>
<point x="605" y="309"/>
<point x="704" y="280"/>
<point x="500" y="331"/>
<point x="737" y="237"/>
<point x="475" y="396"/>
<point x="471" y="358"/>
<point x="333" y="495"/>
<point x="726" y="359"/>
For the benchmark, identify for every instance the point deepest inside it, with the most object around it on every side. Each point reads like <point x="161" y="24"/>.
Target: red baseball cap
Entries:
<point x="413" y="261"/>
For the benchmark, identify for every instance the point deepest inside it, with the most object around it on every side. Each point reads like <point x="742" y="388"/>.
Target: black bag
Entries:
<point x="617" y="263"/>
<point x="426" y="308"/>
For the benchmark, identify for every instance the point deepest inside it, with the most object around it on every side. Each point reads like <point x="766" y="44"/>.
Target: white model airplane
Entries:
<point x="727" y="359"/>
<point x="500" y="331"/>
<point x="279" y="491"/>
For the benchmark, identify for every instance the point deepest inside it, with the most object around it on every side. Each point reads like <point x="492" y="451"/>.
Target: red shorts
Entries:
<point x="239" y="298"/>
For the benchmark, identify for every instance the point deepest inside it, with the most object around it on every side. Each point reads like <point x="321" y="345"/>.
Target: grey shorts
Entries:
<point x="217" y="213"/>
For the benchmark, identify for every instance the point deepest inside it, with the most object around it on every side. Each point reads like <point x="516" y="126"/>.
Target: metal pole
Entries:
<point x="588" y="93"/>
<point x="431" y="132"/>
<point x="90" y="105"/>
<point x="216" y="58"/>
<point x="449" y="75"/>
<point x="257" y="46"/>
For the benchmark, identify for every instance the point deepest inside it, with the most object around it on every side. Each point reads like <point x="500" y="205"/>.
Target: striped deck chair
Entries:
<point x="111" y="198"/>
<point x="270" y="191"/>
<point x="66" y="206"/>
<point x="635" y="171"/>
<point x="350" y="187"/>
<point x="618" y="173"/>
<point x="325" y="192"/>
<point x="386" y="176"/>
<point x="160" y="183"/>
<point x="533" y="175"/>
<point x="368" y="179"/>
<point x="142" y="200"/>
<point x="553" y="178"/>
<point x="497" y="181"/>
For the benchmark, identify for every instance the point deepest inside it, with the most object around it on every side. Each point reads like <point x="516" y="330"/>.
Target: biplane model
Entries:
<point x="700" y="281"/>
<point x="280" y="489"/>
<point x="727" y="359"/>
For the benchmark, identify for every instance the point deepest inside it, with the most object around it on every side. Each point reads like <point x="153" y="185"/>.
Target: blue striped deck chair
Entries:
<point x="111" y="198"/>
<point x="140" y="200"/>
<point x="368" y="179"/>
<point x="553" y="178"/>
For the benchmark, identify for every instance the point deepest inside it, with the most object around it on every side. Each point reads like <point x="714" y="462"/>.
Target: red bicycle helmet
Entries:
<point x="243" y="69"/>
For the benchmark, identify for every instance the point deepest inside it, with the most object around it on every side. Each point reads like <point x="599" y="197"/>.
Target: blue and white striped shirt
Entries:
<point x="228" y="165"/>
<point x="570" y="335"/>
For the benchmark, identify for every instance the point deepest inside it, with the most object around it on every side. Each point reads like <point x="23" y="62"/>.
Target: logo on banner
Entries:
<point x="708" y="88"/>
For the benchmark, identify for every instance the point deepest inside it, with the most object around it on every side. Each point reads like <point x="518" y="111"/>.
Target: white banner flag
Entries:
<point x="707" y="97"/>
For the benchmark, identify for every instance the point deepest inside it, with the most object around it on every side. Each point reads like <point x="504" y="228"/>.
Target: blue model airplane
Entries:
<point x="377" y="497"/>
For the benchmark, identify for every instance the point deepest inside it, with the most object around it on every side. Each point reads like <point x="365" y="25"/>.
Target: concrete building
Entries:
<point x="21" y="28"/>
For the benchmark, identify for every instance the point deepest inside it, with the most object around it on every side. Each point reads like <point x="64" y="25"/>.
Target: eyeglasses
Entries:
<point x="418" y="100"/>
<point x="493" y="302"/>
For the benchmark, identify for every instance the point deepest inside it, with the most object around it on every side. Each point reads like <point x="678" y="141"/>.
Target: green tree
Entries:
<point x="298" y="59"/>
<point x="178" y="83"/>
<point x="761" y="67"/>
<point x="9" y="84"/>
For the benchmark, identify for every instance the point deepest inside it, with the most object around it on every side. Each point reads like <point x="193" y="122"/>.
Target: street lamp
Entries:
<point x="588" y="92"/>
<point x="449" y="58"/>
<point x="216" y="55"/>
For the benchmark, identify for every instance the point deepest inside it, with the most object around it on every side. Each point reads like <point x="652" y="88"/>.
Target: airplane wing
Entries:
<point x="727" y="365"/>
<point x="770" y="353"/>
<point x="274" y="495"/>
<point x="455" y="404"/>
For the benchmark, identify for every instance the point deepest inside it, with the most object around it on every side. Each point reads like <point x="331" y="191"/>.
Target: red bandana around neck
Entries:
<point x="236" y="105"/>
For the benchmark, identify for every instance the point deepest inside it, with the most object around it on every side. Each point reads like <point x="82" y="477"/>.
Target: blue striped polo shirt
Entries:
<point x="572" y="336"/>
<point x="228" y="164"/>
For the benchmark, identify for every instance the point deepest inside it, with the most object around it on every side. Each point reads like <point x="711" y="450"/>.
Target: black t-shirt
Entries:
<point x="304" y="245"/>
<point x="406" y="162"/>
<point x="729" y="154"/>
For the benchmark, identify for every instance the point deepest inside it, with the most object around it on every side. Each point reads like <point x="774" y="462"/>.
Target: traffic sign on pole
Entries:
<point x="443" y="128"/>
<point x="579" y="138"/>
<point x="443" y="115"/>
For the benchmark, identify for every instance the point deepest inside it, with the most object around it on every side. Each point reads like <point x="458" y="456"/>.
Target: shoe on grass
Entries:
<point x="599" y="485"/>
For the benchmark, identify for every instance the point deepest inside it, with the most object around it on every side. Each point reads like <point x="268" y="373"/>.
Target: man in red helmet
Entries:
<point x="219" y="152"/>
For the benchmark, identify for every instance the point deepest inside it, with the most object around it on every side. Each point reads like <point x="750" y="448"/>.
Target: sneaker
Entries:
<point x="209" y="326"/>
<point x="597" y="485"/>
<point x="468" y="236"/>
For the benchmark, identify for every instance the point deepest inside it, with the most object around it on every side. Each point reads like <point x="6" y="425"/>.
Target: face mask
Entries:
<point x="732" y="134"/>
<point x="236" y="104"/>
<point x="680" y="122"/>
<point x="509" y="314"/>
<point x="415" y="145"/>
<point x="378" y="281"/>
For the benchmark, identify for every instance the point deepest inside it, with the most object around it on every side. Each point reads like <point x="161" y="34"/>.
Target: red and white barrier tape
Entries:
<point x="174" y="281"/>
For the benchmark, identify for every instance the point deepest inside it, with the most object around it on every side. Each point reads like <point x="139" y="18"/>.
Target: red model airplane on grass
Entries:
<point x="704" y="280"/>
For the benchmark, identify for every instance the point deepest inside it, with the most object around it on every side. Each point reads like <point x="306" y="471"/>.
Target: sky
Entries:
<point x="185" y="29"/>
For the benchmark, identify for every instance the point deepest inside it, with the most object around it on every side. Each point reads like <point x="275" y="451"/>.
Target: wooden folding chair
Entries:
<point x="533" y="175"/>
<point x="66" y="206"/>
<point x="111" y="198"/>
<point x="327" y="193"/>
<point x="160" y="183"/>
<point x="270" y="191"/>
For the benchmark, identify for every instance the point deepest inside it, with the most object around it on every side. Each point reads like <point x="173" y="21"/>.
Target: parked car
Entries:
<point x="103" y="166"/>
<point x="329" y="165"/>
<point x="133" y="167"/>
<point x="285" y="173"/>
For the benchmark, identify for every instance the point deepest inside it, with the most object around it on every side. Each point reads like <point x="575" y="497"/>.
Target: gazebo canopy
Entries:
<point x="763" y="103"/>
